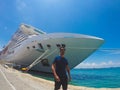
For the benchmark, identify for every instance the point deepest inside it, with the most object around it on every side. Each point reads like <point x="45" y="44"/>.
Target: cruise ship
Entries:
<point x="36" y="49"/>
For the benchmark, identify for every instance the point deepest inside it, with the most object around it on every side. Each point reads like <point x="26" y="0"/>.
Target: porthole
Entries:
<point x="48" y="45"/>
<point x="28" y="47"/>
<point x="33" y="46"/>
<point x="58" y="45"/>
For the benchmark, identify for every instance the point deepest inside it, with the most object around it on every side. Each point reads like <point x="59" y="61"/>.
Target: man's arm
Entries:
<point x="54" y="72"/>
<point x="68" y="70"/>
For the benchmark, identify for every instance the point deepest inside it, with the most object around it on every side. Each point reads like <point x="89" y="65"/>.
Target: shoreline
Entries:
<point x="70" y="87"/>
<point x="43" y="84"/>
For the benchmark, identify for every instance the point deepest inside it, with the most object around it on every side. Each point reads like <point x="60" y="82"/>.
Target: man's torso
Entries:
<point x="61" y="63"/>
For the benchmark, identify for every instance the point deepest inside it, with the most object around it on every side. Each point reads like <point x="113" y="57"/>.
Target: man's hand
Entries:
<point x="57" y="78"/>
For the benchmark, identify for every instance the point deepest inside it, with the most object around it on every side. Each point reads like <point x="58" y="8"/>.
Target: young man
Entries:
<point x="59" y="68"/>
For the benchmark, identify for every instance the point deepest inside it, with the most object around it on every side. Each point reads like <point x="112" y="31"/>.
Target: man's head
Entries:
<point x="62" y="51"/>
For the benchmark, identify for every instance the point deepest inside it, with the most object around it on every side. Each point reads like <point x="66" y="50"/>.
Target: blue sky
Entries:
<point x="99" y="18"/>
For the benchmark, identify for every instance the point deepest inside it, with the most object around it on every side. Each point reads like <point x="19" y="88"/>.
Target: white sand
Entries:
<point x="24" y="81"/>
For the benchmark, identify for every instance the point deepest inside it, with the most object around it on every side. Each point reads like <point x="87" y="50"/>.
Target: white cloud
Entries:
<point x="116" y="52"/>
<point x="20" y="4"/>
<point x="111" y="51"/>
<point x="99" y="65"/>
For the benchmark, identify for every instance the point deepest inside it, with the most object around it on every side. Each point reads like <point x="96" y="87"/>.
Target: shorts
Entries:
<point x="63" y="82"/>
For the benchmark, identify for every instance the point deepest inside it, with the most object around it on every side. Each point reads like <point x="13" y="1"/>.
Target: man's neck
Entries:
<point x="62" y="55"/>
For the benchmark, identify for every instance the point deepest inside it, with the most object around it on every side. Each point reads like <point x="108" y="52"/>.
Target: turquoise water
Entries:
<point x="98" y="78"/>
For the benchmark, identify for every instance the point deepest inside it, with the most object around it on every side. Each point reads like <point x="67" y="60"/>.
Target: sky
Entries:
<point x="99" y="18"/>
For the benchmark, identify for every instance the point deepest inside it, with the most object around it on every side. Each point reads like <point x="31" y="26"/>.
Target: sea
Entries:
<point x="95" y="77"/>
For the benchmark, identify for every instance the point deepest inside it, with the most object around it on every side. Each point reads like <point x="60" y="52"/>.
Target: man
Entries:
<point x="59" y="68"/>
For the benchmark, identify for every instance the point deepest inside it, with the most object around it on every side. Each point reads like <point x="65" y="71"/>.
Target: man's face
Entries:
<point x="62" y="51"/>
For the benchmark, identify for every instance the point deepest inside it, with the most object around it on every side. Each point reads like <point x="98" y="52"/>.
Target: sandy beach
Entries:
<point x="25" y="81"/>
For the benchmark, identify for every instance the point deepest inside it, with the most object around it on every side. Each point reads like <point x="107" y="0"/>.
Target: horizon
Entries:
<point x="95" y="67"/>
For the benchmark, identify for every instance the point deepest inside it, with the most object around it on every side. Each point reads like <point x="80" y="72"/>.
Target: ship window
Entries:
<point x="28" y="47"/>
<point x="58" y="45"/>
<point x="40" y="45"/>
<point x="48" y="45"/>
<point x="63" y="45"/>
<point x="33" y="46"/>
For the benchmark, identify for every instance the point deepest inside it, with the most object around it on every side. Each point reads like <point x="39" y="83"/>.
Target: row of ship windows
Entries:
<point x="48" y="45"/>
<point x="40" y="46"/>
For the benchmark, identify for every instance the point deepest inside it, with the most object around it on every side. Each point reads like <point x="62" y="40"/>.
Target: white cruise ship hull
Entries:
<point x="78" y="48"/>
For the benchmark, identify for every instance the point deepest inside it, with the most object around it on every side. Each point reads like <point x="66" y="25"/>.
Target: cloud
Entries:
<point x="116" y="52"/>
<point x="98" y="65"/>
<point x="20" y="4"/>
<point x="111" y="51"/>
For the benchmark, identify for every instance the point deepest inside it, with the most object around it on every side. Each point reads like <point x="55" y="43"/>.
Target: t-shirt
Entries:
<point x="61" y="63"/>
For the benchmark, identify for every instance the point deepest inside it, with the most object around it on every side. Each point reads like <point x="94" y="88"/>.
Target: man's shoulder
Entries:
<point x="57" y="57"/>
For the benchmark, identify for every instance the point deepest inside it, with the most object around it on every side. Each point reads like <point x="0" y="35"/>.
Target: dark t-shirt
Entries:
<point x="61" y="63"/>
